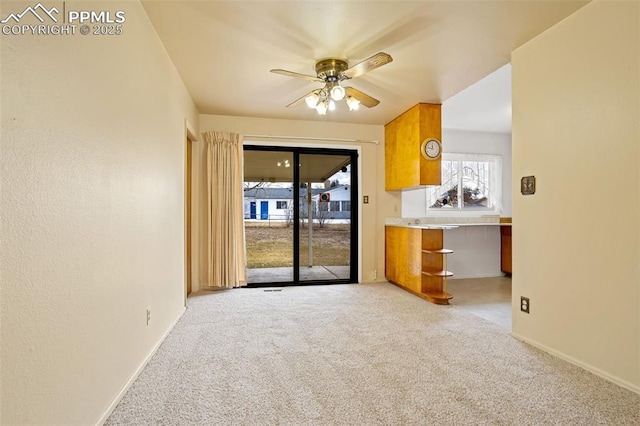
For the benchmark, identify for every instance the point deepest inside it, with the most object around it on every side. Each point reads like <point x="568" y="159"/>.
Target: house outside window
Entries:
<point x="281" y="205"/>
<point x="345" y="206"/>
<point x="470" y="182"/>
<point x="334" y="206"/>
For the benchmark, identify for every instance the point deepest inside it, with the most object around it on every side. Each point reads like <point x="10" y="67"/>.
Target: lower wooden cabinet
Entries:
<point x="416" y="261"/>
<point x="505" y="249"/>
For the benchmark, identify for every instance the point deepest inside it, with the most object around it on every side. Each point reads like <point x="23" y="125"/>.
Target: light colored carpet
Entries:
<point x="368" y="354"/>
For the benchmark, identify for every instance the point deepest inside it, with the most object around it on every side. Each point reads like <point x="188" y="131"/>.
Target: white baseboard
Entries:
<point x="618" y="381"/>
<point x="138" y="370"/>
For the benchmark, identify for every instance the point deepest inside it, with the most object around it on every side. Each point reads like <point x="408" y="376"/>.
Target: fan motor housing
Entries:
<point x="330" y="69"/>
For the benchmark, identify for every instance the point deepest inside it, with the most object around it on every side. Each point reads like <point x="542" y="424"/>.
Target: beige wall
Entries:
<point x="381" y="204"/>
<point x="576" y="242"/>
<point x="92" y="215"/>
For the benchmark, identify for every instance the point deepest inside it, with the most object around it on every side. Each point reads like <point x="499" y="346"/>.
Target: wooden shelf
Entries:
<point x="438" y="273"/>
<point x="434" y="267"/>
<point x="439" y="298"/>
<point x="437" y="251"/>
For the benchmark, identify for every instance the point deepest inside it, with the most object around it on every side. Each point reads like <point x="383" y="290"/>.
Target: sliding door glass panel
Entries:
<point x="268" y="215"/>
<point x="324" y="217"/>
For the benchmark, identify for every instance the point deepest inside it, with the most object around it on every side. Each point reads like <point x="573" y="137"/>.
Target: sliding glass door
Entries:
<point x="324" y="237"/>
<point x="300" y="221"/>
<point x="268" y="215"/>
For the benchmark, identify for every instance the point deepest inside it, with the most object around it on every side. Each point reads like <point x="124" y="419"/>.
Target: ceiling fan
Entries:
<point x="331" y="72"/>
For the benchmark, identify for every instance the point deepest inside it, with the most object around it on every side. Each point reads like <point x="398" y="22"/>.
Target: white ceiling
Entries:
<point x="224" y="50"/>
<point x="484" y="106"/>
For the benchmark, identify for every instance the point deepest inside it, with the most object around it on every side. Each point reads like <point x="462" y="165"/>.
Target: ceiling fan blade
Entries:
<point x="369" y="64"/>
<point x="297" y="75"/>
<point x="364" y="99"/>
<point x="300" y="100"/>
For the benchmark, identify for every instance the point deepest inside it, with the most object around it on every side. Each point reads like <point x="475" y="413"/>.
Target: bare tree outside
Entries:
<point x="323" y="213"/>
<point x="248" y="186"/>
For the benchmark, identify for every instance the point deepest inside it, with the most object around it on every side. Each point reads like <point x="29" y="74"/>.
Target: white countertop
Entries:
<point x="429" y="226"/>
<point x="445" y="222"/>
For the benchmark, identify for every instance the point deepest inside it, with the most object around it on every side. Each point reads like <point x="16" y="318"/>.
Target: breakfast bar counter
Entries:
<point x="416" y="260"/>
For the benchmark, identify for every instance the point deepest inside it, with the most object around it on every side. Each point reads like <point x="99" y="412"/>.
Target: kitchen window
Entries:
<point x="470" y="182"/>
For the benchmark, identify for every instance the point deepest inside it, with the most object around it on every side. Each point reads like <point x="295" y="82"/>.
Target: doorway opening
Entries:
<point x="190" y="139"/>
<point x="300" y="221"/>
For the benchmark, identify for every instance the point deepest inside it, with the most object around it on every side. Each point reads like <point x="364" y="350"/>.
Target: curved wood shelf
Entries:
<point x="439" y="298"/>
<point x="437" y="251"/>
<point x="438" y="273"/>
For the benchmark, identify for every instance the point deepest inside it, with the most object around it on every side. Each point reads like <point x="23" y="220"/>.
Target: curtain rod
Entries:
<point x="308" y="138"/>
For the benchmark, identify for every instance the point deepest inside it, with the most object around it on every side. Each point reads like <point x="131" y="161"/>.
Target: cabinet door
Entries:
<point x="505" y="249"/>
<point x="403" y="257"/>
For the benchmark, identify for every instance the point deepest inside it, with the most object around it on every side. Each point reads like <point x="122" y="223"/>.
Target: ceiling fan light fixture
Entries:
<point x="322" y="107"/>
<point x="337" y="93"/>
<point x="353" y="103"/>
<point x="312" y="100"/>
<point x="332" y="105"/>
<point x="331" y="71"/>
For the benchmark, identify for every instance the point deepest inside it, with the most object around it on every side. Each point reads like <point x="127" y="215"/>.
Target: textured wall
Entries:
<point x="576" y="242"/>
<point x="92" y="215"/>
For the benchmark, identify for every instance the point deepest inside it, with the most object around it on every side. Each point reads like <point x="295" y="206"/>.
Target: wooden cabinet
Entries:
<point x="505" y="249"/>
<point x="405" y="167"/>
<point x="403" y="257"/>
<point x="416" y="261"/>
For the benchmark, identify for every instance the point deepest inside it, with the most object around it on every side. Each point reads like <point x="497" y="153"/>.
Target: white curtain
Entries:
<point x="226" y="254"/>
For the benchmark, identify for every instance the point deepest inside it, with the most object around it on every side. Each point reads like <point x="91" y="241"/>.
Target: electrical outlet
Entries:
<point x="365" y="199"/>
<point x="148" y="315"/>
<point x="524" y="304"/>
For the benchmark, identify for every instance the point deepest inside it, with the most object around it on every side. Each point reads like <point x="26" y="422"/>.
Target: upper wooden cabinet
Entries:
<point x="405" y="166"/>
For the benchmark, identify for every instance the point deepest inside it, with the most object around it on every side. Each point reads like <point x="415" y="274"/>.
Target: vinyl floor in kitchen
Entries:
<point x="489" y="298"/>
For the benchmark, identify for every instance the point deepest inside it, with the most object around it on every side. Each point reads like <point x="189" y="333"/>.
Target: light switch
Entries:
<point x="528" y="185"/>
<point x="365" y="199"/>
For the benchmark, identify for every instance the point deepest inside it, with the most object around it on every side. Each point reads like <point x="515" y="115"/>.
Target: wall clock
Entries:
<point x="431" y="149"/>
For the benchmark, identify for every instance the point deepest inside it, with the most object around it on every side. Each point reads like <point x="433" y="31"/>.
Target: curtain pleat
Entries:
<point x="226" y="253"/>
